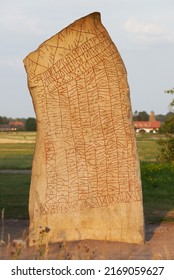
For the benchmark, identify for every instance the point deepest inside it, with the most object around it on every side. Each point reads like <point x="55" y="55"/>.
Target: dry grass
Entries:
<point x="17" y="137"/>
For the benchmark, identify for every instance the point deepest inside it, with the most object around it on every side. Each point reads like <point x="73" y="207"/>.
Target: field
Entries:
<point x="17" y="148"/>
<point x="148" y="148"/>
<point x="16" y="152"/>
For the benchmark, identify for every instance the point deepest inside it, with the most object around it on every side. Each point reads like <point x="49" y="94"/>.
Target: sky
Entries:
<point x="142" y="30"/>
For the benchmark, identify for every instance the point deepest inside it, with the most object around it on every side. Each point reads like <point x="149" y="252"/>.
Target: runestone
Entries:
<point x="85" y="181"/>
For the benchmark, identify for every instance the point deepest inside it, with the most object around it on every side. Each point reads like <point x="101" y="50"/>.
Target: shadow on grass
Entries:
<point x="156" y="220"/>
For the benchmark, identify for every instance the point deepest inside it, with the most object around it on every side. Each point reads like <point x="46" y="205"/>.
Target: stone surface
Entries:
<point x="85" y="176"/>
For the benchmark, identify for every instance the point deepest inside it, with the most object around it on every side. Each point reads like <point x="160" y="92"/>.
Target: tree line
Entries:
<point x="167" y="121"/>
<point x="29" y="123"/>
<point x="167" y="144"/>
<point x="144" y="116"/>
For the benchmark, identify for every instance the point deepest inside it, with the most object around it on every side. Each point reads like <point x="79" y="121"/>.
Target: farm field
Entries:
<point x="16" y="152"/>
<point x="148" y="148"/>
<point x="17" y="137"/>
<point x="17" y="148"/>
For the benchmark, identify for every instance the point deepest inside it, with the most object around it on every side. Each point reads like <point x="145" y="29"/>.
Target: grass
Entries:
<point x="157" y="178"/>
<point x="16" y="150"/>
<point x="158" y="192"/>
<point x="24" y="136"/>
<point x="18" y="153"/>
<point x="16" y="156"/>
<point x="148" y="148"/>
<point x="14" y="195"/>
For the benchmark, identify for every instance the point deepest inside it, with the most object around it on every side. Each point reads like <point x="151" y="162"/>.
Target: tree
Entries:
<point x="30" y="124"/>
<point x="171" y="91"/>
<point x="140" y="116"/>
<point x="4" y="120"/>
<point x="168" y="125"/>
<point x="162" y="118"/>
<point x="167" y="144"/>
<point x="167" y="149"/>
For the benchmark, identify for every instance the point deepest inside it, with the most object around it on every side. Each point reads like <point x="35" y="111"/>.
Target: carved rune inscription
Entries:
<point x="84" y="109"/>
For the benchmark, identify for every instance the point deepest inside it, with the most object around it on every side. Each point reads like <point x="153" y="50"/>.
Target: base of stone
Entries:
<point x="122" y="222"/>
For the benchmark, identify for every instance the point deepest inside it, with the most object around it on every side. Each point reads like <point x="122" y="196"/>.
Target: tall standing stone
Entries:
<point x="85" y="176"/>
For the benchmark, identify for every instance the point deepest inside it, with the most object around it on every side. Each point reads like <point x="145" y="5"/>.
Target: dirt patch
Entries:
<point x="159" y="245"/>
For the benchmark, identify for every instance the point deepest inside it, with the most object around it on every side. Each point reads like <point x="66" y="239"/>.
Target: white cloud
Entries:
<point x="148" y="33"/>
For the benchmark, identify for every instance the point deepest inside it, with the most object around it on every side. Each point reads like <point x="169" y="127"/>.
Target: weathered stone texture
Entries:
<point x="85" y="176"/>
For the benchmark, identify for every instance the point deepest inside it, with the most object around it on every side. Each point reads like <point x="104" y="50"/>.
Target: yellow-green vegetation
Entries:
<point x="16" y="156"/>
<point x="158" y="191"/>
<point x="17" y="137"/>
<point x="16" y="150"/>
<point x="148" y="148"/>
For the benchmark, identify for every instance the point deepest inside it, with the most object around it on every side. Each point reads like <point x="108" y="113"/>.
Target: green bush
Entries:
<point x="166" y="149"/>
<point x="168" y="125"/>
<point x="30" y="124"/>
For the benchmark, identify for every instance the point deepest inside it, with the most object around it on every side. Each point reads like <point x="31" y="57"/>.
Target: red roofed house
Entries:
<point x="147" y="126"/>
<point x="12" y="126"/>
<point x="16" y="124"/>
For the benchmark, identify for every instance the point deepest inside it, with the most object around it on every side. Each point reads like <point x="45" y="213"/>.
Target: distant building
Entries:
<point x="6" y="127"/>
<point x="12" y="126"/>
<point x="152" y="125"/>
<point x="17" y="124"/>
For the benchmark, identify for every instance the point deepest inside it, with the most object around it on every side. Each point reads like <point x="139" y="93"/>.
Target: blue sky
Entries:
<point x="143" y="32"/>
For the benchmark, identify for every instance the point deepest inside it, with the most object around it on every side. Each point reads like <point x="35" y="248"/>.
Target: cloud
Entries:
<point x="151" y="33"/>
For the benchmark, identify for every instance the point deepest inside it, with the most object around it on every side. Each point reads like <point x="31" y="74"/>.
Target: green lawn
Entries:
<point x="14" y="194"/>
<point x="157" y="178"/>
<point x="158" y="192"/>
<point x="16" y="156"/>
<point x="19" y="155"/>
<point x="16" y="149"/>
<point x="148" y="148"/>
